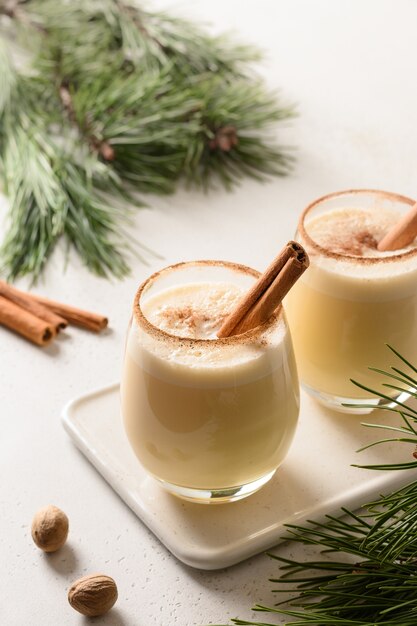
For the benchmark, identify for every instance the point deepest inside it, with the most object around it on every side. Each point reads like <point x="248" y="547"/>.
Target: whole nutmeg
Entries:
<point x="50" y="528"/>
<point x="93" y="595"/>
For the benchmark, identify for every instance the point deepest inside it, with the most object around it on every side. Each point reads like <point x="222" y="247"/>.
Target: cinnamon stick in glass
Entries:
<point x="25" y="323"/>
<point x="402" y="233"/>
<point x="257" y="306"/>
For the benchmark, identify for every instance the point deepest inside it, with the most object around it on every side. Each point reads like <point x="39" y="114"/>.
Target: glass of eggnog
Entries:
<point x="354" y="299"/>
<point x="209" y="418"/>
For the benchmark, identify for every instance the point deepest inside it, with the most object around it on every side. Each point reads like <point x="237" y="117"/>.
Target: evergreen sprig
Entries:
<point x="116" y="99"/>
<point x="366" y="575"/>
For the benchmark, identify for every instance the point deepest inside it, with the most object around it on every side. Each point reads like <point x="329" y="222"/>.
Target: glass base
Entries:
<point x="216" y="496"/>
<point x="363" y="405"/>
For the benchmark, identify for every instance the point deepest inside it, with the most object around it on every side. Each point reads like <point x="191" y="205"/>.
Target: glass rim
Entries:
<point x="350" y="257"/>
<point x="157" y="332"/>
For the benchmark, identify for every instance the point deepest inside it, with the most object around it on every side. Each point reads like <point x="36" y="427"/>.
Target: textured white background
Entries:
<point x="351" y="67"/>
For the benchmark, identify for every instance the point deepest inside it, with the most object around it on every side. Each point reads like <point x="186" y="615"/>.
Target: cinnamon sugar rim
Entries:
<point x="151" y="329"/>
<point x="350" y="257"/>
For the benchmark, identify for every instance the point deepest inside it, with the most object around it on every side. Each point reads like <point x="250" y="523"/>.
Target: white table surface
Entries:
<point x="350" y="65"/>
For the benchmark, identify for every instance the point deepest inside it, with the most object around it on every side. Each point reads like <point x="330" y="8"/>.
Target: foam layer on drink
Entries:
<point x="196" y="311"/>
<point x="354" y="232"/>
<point x="365" y="273"/>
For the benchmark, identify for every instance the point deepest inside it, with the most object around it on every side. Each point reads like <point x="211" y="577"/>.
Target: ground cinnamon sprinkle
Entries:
<point x="358" y="243"/>
<point x="190" y="318"/>
<point x="185" y="315"/>
<point x="352" y="231"/>
<point x="367" y="239"/>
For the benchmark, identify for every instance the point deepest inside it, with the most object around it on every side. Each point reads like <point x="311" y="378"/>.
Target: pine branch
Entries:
<point x="102" y="147"/>
<point x="148" y="123"/>
<point x="119" y="99"/>
<point x="233" y="141"/>
<point x="131" y="37"/>
<point x="52" y="196"/>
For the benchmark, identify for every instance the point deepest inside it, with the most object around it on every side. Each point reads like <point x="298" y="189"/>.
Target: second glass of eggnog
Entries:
<point x="354" y="299"/>
<point x="210" y="418"/>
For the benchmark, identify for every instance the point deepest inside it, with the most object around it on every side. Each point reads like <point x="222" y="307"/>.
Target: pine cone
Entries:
<point x="225" y="139"/>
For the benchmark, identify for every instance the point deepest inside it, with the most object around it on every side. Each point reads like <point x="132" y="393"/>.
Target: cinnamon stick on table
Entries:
<point x="78" y="317"/>
<point x="257" y="306"/>
<point x="25" y="301"/>
<point x="25" y="323"/>
<point x="402" y="233"/>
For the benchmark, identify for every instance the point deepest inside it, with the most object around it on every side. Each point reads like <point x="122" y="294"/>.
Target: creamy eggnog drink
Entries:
<point x="354" y="299"/>
<point x="210" y="418"/>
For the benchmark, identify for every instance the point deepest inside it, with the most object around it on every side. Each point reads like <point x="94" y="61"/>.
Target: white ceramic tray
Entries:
<point x="316" y="478"/>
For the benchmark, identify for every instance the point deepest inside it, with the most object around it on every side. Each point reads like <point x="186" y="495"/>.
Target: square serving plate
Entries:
<point x="316" y="478"/>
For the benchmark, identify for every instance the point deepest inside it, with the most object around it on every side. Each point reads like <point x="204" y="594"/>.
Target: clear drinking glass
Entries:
<point x="211" y="419"/>
<point x="345" y="308"/>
